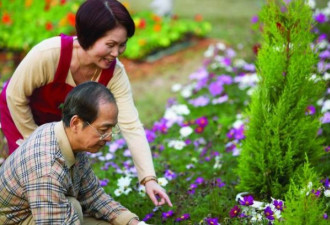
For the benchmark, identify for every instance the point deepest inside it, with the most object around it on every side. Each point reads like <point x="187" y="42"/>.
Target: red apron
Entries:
<point x="45" y="101"/>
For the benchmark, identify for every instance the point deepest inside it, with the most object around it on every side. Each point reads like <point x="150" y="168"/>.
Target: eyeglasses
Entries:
<point x="114" y="131"/>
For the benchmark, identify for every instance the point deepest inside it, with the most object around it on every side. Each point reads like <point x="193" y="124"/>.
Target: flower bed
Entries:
<point x="23" y="25"/>
<point x="196" y="145"/>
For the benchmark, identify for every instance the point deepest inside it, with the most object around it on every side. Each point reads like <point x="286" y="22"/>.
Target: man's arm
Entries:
<point x="48" y="203"/>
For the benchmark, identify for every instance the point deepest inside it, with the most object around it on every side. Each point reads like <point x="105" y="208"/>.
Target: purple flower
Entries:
<point x="168" y="214"/>
<point x="239" y="133"/>
<point x="234" y="211"/>
<point x="200" y="101"/>
<point x="326" y="182"/>
<point x="104" y="182"/>
<point x="192" y="188"/>
<point x="170" y="175"/>
<point x="202" y="121"/>
<point x="321" y="38"/>
<point x="211" y="221"/>
<point x="199" y="74"/>
<point x="201" y="83"/>
<point x="199" y="180"/>
<point x="325" y="118"/>
<point x="183" y="217"/>
<point x="225" y="79"/>
<point x="226" y="61"/>
<point x="148" y="217"/>
<point x="325" y="54"/>
<point x="231" y="133"/>
<point x="310" y="110"/>
<point x="316" y="193"/>
<point x="150" y="135"/>
<point x="278" y="205"/>
<point x="269" y="213"/>
<point x="247" y="200"/>
<point x="160" y="126"/>
<point x="249" y="67"/>
<point x="254" y="19"/>
<point x="325" y="216"/>
<point x="216" y="88"/>
<point x="219" y="183"/>
<point x="320" y="18"/>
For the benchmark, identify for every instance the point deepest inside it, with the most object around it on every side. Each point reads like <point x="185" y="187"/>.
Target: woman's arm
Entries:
<point x="130" y="124"/>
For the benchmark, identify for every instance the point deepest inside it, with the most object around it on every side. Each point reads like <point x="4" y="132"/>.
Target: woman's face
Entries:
<point x="107" y="48"/>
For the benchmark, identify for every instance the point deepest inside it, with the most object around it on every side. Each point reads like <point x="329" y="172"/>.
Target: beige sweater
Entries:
<point x="38" y="69"/>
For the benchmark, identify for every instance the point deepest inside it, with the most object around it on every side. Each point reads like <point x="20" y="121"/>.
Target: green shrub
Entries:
<point x="279" y="132"/>
<point x="302" y="205"/>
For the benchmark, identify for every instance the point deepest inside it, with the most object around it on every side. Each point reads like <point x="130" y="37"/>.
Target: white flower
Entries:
<point x="209" y="52"/>
<point x="327" y="193"/>
<point x="256" y="217"/>
<point x="311" y="3"/>
<point x="181" y="109"/>
<point x="176" y="87"/>
<point x="142" y="190"/>
<point x="217" y="164"/>
<point x="162" y="181"/>
<point x="107" y="157"/>
<point x="187" y="91"/>
<point x="237" y="124"/>
<point x="124" y="182"/>
<point x="186" y="131"/>
<point x="239" y="196"/>
<point x="221" y="46"/>
<point x="127" y="190"/>
<point x="326" y="76"/>
<point x="119" y="192"/>
<point x="177" y="144"/>
<point x="326" y="106"/>
<point x="239" y="63"/>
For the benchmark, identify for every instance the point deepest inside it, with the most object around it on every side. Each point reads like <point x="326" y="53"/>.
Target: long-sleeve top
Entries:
<point x="38" y="69"/>
<point x="39" y="176"/>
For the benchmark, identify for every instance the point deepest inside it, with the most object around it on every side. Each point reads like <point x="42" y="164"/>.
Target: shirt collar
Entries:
<point x="64" y="144"/>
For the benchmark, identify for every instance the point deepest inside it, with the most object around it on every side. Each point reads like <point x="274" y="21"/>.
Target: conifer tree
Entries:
<point x="279" y="132"/>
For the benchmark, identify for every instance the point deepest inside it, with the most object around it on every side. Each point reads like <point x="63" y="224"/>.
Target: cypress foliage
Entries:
<point x="301" y="205"/>
<point x="279" y="133"/>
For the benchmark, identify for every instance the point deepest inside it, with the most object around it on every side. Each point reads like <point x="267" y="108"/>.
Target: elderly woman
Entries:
<point x="36" y="91"/>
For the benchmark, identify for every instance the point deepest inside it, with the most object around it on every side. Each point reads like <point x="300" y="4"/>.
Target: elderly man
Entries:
<point x="48" y="179"/>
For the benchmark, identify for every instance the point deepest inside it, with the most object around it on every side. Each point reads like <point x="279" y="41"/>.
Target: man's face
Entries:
<point x="89" y="137"/>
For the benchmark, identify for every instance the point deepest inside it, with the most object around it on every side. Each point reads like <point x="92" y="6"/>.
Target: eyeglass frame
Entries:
<point x="106" y="135"/>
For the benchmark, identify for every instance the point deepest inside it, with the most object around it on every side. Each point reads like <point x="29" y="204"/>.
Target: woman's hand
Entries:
<point x="157" y="194"/>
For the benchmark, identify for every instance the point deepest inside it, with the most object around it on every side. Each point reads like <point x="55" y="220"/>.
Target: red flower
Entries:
<point x="256" y="48"/>
<point x="156" y="18"/>
<point x="198" y="17"/>
<point x="175" y="17"/>
<point x="62" y="2"/>
<point x="199" y="130"/>
<point x="49" y="26"/>
<point x="142" y="24"/>
<point x="71" y="18"/>
<point x="6" y="19"/>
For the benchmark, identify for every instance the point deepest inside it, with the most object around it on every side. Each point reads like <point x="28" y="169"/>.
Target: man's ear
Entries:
<point x="75" y="123"/>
